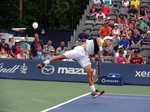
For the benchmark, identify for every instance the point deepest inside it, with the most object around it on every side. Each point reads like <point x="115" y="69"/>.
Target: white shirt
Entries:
<point x="90" y="47"/>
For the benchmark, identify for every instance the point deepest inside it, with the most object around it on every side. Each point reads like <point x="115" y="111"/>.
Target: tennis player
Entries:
<point x="81" y="55"/>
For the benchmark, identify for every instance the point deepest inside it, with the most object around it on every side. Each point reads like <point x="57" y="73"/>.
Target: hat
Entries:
<point x="22" y="39"/>
<point x="136" y="51"/>
<point x="3" y="38"/>
<point x="52" y="50"/>
<point x="108" y="18"/>
<point x="140" y="18"/>
<point x="107" y="38"/>
<point x="132" y="5"/>
<point x="93" y="4"/>
<point x="148" y="32"/>
<point x="120" y="46"/>
<point x="116" y="24"/>
<point x="17" y="40"/>
<point x="10" y="36"/>
<point x="123" y="35"/>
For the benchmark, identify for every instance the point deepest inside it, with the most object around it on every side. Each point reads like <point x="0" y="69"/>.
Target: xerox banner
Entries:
<point x="131" y="73"/>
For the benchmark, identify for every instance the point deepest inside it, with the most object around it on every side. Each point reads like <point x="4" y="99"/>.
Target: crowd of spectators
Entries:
<point x="128" y="23"/>
<point x="21" y="49"/>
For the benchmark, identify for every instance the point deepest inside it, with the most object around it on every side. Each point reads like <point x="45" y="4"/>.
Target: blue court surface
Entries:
<point x="104" y="103"/>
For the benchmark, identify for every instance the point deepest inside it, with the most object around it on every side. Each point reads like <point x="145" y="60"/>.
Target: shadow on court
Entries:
<point x="105" y="103"/>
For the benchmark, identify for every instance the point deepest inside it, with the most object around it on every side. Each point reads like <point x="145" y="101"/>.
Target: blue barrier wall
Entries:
<point x="71" y="71"/>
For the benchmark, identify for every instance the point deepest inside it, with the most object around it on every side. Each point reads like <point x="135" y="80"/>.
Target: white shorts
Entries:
<point x="79" y="54"/>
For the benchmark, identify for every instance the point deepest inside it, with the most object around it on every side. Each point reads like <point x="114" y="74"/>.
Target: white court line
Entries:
<point x="112" y="96"/>
<point x="65" y="102"/>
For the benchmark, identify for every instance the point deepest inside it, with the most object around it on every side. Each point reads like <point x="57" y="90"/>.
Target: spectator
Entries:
<point x="124" y="42"/>
<point x="136" y="37"/>
<point x="136" y="58"/>
<point x="4" y="45"/>
<point x="22" y="54"/>
<point x="146" y="40"/>
<point x="50" y="54"/>
<point x="142" y="12"/>
<point x="125" y="3"/>
<point x="11" y="41"/>
<point x="35" y="43"/>
<point x="131" y="23"/>
<point x="15" y="50"/>
<point x="132" y="12"/>
<point x="61" y="49"/>
<point x="120" y="59"/>
<point x="47" y="48"/>
<point x="107" y="47"/>
<point x="93" y="11"/>
<point x="83" y="36"/>
<point x="121" y="18"/>
<point x="136" y="3"/>
<point x="39" y="53"/>
<point x="100" y="15"/>
<point x="142" y="26"/>
<point x="3" y="53"/>
<point x="121" y="48"/>
<point x="116" y="31"/>
<point x="25" y="47"/>
<point x="105" y="30"/>
<point x="105" y="9"/>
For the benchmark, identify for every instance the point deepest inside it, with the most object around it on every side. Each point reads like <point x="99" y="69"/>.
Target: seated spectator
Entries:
<point x="105" y="30"/>
<point x="83" y="36"/>
<point x="22" y="55"/>
<point x="25" y="47"/>
<point x="124" y="42"/>
<point x="132" y="12"/>
<point x="50" y="54"/>
<point x="131" y="23"/>
<point x="105" y="9"/>
<point x="136" y="58"/>
<point x="4" y="45"/>
<point x="121" y="18"/>
<point x="11" y="41"/>
<point x="15" y="50"/>
<point x="100" y="14"/>
<point x="136" y="37"/>
<point x="61" y="49"/>
<point x="136" y="3"/>
<point x="35" y="43"/>
<point x="148" y="22"/>
<point x="121" y="48"/>
<point x="141" y="25"/>
<point x="120" y="59"/>
<point x="116" y="31"/>
<point x="47" y="48"/>
<point x="3" y="53"/>
<point x="146" y="40"/>
<point x="39" y="53"/>
<point x="92" y="12"/>
<point x="125" y="3"/>
<point x="142" y="12"/>
<point x="108" y="49"/>
<point x="120" y="25"/>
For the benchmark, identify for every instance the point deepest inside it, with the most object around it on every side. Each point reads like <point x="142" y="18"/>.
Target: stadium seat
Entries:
<point x="95" y="33"/>
<point x="145" y="53"/>
<point x="134" y="46"/>
<point x="145" y="47"/>
<point x="97" y="27"/>
<point x="88" y="27"/>
<point x="89" y="22"/>
<point x="108" y="59"/>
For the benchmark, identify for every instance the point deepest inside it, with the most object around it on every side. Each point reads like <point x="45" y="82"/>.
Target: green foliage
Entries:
<point x="51" y="14"/>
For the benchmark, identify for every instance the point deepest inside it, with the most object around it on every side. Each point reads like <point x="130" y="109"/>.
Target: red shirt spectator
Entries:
<point x="105" y="30"/>
<point x="136" y="58"/>
<point x="105" y="9"/>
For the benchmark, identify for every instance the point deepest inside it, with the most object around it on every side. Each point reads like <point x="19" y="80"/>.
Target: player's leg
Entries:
<point x="53" y="59"/>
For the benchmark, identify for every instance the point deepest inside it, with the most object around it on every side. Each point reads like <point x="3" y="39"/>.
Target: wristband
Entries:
<point x="46" y="62"/>
<point x="100" y="48"/>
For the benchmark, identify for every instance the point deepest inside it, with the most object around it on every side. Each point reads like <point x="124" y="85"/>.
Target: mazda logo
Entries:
<point x="48" y="69"/>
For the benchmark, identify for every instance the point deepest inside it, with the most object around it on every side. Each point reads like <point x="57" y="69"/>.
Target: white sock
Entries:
<point x="46" y="62"/>
<point x="92" y="87"/>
